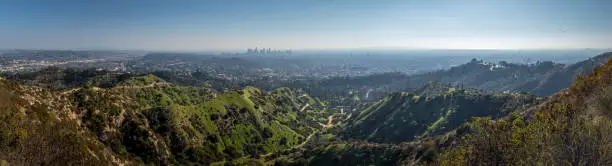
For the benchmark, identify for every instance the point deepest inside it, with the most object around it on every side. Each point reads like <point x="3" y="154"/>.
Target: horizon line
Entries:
<point x="306" y="49"/>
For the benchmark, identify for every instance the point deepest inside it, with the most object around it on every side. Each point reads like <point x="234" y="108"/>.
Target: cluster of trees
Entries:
<point x="62" y="79"/>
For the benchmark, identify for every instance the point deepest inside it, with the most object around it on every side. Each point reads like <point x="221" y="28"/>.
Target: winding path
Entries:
<point x="303" y="108"/>
<point x="142" y="86"/>
<point x="120" y="87"/>
<point x="294" y="147"/>
<point x="70" y="91"/>
<point x="329" y="122"/>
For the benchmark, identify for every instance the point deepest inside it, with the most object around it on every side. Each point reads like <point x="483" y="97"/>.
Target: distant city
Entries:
<point x="266" y="52"/>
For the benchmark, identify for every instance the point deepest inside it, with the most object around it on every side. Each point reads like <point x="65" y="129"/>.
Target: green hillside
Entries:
<point x="147" y="120"/>
<point x="404" y="116"/>
<point x="571" y="128"/>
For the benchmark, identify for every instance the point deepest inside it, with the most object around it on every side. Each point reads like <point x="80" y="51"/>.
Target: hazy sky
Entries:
<point x="200" y="25"/>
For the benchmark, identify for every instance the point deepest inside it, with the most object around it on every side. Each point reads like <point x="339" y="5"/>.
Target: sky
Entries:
<point x="216" y="25"/>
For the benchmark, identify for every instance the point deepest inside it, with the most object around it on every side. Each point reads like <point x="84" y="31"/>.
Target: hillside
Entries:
<point x="542" y="79"/>
<point x="147" y="120"/>
<point x="571" y="128"/>
<point x="562" y="79"/>
<point x="405" y="116"/>
<point x="37" y="127"/>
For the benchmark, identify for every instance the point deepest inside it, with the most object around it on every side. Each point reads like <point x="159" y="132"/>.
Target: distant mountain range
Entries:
<point x="541" y="79"/>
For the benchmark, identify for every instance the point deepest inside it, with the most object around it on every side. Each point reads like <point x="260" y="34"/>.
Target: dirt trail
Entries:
<point x="303" y="108"/>
<point x="305" y="141"/>
<point x="121" y="87"/>
<point x="70" y="91"/>
<point x="329" y="122"/>
<point x="143" y="86"/>
<point x="294" y="147"/>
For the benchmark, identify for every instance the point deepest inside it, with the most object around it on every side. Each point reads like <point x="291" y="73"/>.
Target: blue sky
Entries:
<point x="201" y="25"/>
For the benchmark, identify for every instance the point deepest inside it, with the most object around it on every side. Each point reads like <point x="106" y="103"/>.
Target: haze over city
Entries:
<point x="213" y="25"/>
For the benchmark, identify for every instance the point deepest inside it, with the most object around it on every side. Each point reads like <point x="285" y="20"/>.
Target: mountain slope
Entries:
<point x="572" y="127"/>
<point x="147" y="120"/>
<point x="404" y="116"/>
<point x="559" y="80"/>
<point x="542" y="79"/>
<point x="37" y="127"/>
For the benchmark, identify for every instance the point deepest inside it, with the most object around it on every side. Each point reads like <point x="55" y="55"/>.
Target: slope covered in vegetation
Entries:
<point x="147" y="120"/>
<point x="571" y="128"/>
<point x="404" y="116"/>
<point x="541" y="79"/>
<point x="37" y="127"/>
